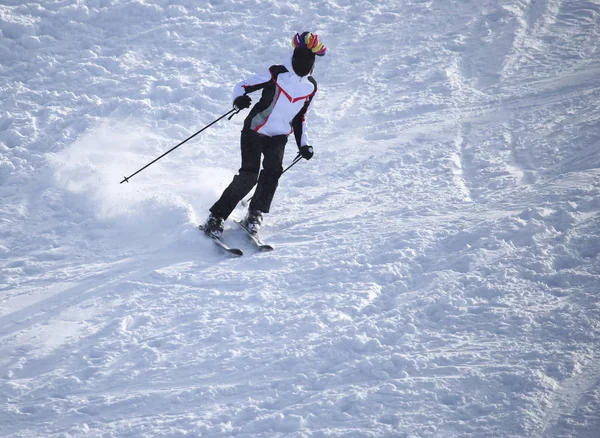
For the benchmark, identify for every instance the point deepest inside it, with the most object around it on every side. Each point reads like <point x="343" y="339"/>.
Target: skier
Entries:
<point x="287" y="92"/>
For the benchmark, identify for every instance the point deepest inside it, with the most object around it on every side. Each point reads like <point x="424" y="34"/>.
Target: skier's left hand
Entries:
<point x="306" y="152"/>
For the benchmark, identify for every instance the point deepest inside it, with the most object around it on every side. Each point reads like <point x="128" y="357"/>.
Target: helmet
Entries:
<point x="310" y="41"/>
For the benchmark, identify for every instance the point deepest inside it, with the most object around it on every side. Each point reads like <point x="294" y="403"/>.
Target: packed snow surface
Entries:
<point x="436" y="271"/>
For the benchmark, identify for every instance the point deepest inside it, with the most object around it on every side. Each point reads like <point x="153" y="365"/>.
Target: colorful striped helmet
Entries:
<point x="310" y="41"/>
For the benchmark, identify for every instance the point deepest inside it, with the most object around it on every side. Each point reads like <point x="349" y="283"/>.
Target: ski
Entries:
<point x="222" y="245"/>
<point x="254" y="238"/>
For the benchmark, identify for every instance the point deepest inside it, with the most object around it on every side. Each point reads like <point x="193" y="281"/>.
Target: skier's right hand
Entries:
<point x="242" y="102"/>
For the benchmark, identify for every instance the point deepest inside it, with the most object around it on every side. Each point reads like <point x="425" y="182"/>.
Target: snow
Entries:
<point x="436" y="271"/>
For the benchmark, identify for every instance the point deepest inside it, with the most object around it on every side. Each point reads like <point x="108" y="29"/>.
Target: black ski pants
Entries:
<point x="253" y="145"/>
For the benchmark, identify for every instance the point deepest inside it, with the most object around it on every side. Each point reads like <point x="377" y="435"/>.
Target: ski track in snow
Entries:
<point x="436" y="267"/>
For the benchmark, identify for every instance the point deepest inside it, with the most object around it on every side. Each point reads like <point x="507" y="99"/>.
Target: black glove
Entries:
<point x="242" y="102"/>
<point x="306" y="152"/>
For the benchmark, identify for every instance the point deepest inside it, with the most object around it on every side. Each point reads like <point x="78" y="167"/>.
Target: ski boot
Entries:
<point x="253" y="221"/>
<point x="213" y="227"/>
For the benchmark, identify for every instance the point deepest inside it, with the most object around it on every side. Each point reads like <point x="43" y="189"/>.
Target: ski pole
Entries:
<point x="298" y="158"/>
<point x="234" y="111"/>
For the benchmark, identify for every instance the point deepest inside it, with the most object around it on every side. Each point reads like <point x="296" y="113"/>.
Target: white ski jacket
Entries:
<point x="285" y="100"/>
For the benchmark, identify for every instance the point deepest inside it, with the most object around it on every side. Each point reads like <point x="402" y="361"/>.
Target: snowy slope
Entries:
<point x="436" y="271"/>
